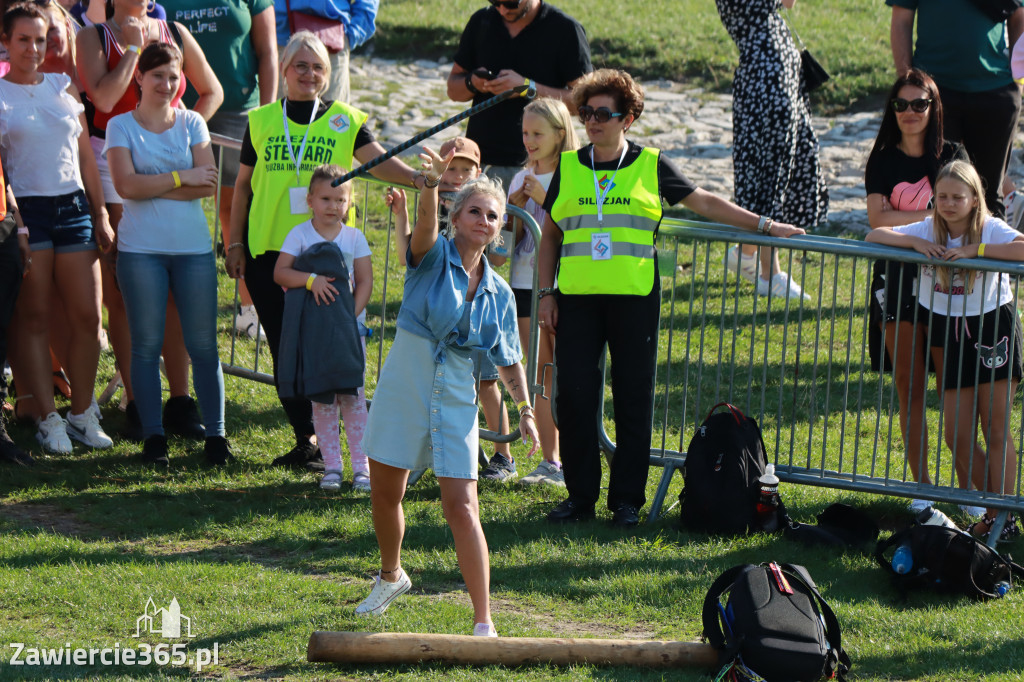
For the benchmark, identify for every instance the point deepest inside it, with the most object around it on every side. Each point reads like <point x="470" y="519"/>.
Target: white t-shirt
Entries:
<point x="524" y="258"/>
<point x="351" y="241"/>
<point x="39" y="129"/>
<point x="996" y="291"/>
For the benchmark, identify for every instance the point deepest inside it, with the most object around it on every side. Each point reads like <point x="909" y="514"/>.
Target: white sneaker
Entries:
<point x="973" y="511"/>
<point x="94" y="407"/>
<point x="248" y="321"/>
<point x="738" y="262"/>
<point x="781" y="286"/>
<point x="53" y="434"/>
<point x="86" y="429"/>
<point x="331" y="481"/>
<point x="918" y="506"/>
<point x="484" y="630"/>
<point x="382" y="595"/>
<point x="546" y="472"/>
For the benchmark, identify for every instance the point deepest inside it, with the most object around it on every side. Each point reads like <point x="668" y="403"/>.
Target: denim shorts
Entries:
<point x="61" y="223"/>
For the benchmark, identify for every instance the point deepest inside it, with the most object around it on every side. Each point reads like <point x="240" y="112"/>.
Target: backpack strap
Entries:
<point x="838" y="662"/>
<point x="737" y="414"/>
<point x="710" y="614"/>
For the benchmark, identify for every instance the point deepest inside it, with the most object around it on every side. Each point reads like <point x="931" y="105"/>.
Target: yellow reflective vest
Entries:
<point x="332" y="139"/>
<point x="617" y="255"/>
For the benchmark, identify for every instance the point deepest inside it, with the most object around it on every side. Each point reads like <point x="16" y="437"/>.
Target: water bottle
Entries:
<point x="1002" y="587"/>
<point x="902" y="559"/>
<point x="768" y="503"/>
<point x="930" y="516"/>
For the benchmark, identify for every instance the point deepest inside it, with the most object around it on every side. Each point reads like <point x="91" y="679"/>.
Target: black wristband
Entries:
<point x="469" y="83"/>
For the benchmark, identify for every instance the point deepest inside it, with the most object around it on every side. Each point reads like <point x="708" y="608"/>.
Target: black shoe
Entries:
<point x="316" y="462"/>
<point x="625" y="515"/>
<point x="217" y="451"/>
<point x="571" y="511"/>
<point x="132" y="423"/>
<point x="154" y="451"/>
<point x="10" y="452"/>
<point x="181" y="418"/>
<point x="303" y="452"/>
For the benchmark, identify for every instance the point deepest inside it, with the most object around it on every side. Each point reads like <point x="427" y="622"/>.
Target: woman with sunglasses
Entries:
<point x="283" y="144"/>
<point x="775" y="152"/>
<point x="900" y="176"/>
<point x="604" y="206"/>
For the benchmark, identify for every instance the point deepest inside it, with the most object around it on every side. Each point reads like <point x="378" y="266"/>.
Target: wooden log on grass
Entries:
<point x="407" y="647"/>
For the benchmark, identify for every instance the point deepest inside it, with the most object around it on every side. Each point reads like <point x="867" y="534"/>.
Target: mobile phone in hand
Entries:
<point x="485" y="74"/>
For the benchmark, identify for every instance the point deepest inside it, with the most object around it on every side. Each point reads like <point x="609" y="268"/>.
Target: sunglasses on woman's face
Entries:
<point x="601" y="114"/>
<point x="918" y="106"/>
<point x="507" y="4"/>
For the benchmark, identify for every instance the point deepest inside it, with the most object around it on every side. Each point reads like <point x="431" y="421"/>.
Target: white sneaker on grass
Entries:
<point x="546" y="472"/>
<point x="738" y="262"/>
<point x="248" y="322"/>
<point x="383" y="594"/>
<point x="86" y="429"/>
<point x="781" y="286"/>
<point x="972" y="511"/>
<point x="53" y="434"/>
<point x="484" y="630"/>
<point x="918" y="506"/>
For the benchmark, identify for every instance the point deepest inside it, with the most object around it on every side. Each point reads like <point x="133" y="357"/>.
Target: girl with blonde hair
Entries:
<point x="975" y="333"/>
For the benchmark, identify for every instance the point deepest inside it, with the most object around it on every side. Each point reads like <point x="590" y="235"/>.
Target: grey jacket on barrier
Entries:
<point x="321" y="352"/>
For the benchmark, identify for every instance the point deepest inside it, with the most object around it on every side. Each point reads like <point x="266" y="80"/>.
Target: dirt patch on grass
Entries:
<point x="557" y="626"/>
<point x="50" y="518"/>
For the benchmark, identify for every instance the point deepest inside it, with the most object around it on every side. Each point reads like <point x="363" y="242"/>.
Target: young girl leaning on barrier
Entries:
<point x="973" y="329"/>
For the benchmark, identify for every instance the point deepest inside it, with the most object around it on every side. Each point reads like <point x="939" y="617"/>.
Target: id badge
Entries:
<point x="297" y="199"/>
<point x="601" y="246"/>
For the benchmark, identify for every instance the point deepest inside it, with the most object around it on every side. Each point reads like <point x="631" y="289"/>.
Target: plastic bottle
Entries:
<point x="930" y="516"/>
<point x="1001" y="588"/>
<point x="768" y="503"/>
<point x="902" y="559"/>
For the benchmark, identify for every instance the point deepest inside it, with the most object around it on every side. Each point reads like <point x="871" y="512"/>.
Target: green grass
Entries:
<point x="260" y="557"/>
<point x="677" y="39"/>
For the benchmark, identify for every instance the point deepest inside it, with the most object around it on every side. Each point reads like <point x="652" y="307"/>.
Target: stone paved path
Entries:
<point x="691" y="126"/>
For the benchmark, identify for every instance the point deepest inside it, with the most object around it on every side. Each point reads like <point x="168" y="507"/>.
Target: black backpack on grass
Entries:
<point x="775" y="623"/>
<point x="725" y="459"/>
<point x="948" y="560"/>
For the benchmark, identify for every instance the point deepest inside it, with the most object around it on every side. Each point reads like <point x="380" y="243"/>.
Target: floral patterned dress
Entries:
<point x="775" y="151"/>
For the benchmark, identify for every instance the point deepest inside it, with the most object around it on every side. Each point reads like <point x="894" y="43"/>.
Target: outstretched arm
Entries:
<point x="424" y="232"/>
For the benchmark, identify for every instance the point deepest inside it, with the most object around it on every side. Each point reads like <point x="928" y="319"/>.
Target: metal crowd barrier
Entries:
<point x="383" y="264"/>
<point x="801" y="368"/>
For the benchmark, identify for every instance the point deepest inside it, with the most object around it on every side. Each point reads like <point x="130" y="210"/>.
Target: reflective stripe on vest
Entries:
<point x="332" y="139"/>
<point x="632" y="213"/>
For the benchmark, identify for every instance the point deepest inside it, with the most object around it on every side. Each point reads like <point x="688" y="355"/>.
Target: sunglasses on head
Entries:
<point x="507" y="4"/>
<point x="919" y="105"/>
<point x="601" y="114"/>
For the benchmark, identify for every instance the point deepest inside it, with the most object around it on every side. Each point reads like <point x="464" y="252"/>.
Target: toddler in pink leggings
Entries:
<point x="329" y="206"/>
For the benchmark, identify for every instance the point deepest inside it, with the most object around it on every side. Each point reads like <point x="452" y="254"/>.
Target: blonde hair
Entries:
<point x="558" y="117"/>
<point x="58" y="13"/>
<point x="305" y="39"/>
<point x="964" y="172"/>
<point x="482" y="184"/>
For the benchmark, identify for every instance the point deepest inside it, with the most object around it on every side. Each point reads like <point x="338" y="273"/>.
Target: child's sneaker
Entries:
<point x="383" y="594"/>
<point x="484" y="630"/>
<point x="86" y="429"/>
<point x="361" y="482"/>
<point x="53" y="434"/>
<point x="500" y="468"/>
<point x="331" y="482"/>
<point x="248" y="322"/>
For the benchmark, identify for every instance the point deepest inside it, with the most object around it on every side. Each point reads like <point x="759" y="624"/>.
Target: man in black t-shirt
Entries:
<point x="501" y="47"/>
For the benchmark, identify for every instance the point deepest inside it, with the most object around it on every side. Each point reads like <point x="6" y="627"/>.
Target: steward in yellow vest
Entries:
<point x="612" y="253"/>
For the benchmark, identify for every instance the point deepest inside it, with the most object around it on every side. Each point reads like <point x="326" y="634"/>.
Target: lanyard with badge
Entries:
<point x="297" y="195"/>
<point x="601" y="242"/>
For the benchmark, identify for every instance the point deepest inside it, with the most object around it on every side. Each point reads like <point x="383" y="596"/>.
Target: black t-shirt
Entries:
<point x="908" y="182"/>
<point x="672" y="184"/>
<point x="298" y="112"/>
<point x="551" y="50"/>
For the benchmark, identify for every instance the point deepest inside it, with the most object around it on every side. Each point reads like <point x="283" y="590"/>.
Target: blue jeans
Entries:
<point x="145" y="280"/>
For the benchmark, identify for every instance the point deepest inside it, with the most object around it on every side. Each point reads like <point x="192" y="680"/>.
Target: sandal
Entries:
<point x="331" y="481"/>
<point x="982" y="529"/>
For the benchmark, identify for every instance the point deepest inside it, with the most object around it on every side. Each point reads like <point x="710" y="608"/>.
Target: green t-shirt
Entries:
<point x="221" y="27"/>
<point x="958" y="45"/>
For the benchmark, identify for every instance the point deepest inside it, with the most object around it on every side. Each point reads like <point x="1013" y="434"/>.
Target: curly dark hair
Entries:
<point x="628" y="96"/>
